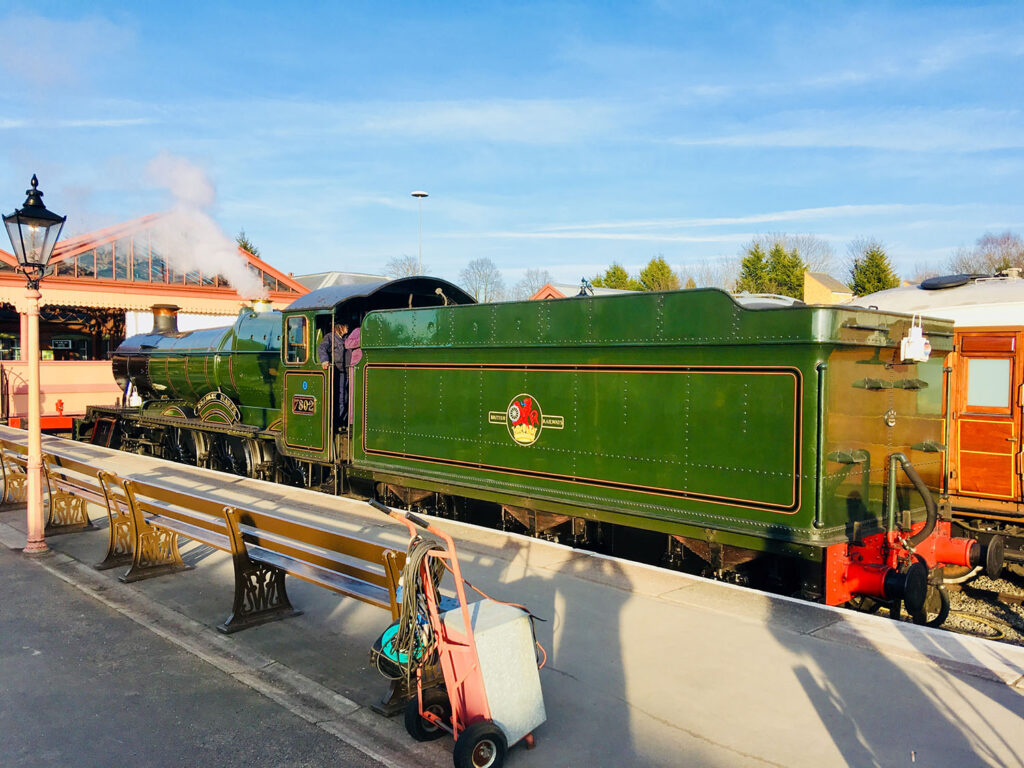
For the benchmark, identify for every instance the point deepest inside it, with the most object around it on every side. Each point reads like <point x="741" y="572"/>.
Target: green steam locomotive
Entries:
<point x="792" y="446"/>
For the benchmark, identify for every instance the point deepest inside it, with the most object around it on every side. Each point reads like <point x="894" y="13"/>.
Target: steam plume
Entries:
<point x="187" y="237"/>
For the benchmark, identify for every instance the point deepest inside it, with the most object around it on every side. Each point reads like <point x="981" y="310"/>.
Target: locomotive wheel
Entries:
<point x="180" y="445"/>
<point x="435" y="701"/>
<point x="289" y="471"/>
<point x="235" y="456"/>
<point x="262" y="456"/>
<point x="936" y="608"/>
<point x="482" y="745"/>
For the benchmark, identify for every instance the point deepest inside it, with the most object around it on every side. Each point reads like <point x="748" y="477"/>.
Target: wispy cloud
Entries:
<point x="621" y="236"/>
<point x="974" y="130"/>
<point x="60" y="52"/>
<point x="98" y="122"/>
<point x="771" y="217"/>
<point x="528" y="121"/>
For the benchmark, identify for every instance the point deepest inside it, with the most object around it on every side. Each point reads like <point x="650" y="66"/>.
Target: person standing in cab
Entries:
<point x="332" y="350"/>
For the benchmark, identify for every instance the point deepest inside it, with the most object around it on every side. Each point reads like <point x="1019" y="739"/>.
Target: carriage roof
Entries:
<point x="976" y="301"/>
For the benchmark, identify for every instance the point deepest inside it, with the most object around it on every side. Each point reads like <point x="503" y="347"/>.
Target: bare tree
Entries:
<point x="816" y="253"/>
<point x="991" y="254"/>
<point x="531" y="282"/>
<point x="922" y="271"/>
<point x="717" y="273"/>
<point x="403" y="266"/>
<point x="483" y="280"/>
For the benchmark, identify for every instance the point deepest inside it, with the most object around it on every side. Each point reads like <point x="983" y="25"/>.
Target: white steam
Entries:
<point x="187" y="237"/>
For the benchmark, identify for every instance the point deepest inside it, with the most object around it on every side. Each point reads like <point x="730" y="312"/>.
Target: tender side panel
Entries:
<point x="876" y="407"/>
<point x="647" y="437"/>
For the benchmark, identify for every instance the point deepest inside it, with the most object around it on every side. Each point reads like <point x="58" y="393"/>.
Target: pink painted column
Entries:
<point x="36" y="544"/>
<point x="24" y="335"/>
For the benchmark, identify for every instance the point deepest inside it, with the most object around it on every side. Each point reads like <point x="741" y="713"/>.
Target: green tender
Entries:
<point x="676" y="411"/>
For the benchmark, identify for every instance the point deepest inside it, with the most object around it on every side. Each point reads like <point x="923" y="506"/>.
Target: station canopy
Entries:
<point x="122" y="267"/>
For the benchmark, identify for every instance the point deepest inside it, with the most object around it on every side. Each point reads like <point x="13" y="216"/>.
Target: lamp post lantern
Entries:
<point x="419" y="195"/>
<point x="34" y="231"/>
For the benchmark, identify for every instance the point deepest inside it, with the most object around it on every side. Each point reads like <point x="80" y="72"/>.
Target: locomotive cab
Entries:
<point x="310" y="430"/>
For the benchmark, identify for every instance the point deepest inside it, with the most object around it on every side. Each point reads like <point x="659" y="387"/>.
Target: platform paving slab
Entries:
<point x="646" y="666"/>
<point x="82" y="684"/>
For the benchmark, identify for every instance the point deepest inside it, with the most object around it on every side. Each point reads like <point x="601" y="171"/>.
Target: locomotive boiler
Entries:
<point x="795" y="447"/>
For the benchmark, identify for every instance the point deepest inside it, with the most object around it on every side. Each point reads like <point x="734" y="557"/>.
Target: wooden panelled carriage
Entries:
<point x="792" y="445"/>
<point x="984" y="483"/>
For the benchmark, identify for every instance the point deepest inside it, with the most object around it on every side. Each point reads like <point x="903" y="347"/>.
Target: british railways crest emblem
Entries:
<point x="524" y="419"/>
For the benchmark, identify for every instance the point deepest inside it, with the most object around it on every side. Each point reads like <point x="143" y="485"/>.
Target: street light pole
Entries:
<point x="419" y="195"/>
<point x="34" y="232"/>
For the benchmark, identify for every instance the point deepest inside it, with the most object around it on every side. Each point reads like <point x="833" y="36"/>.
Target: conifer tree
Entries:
<point x="753" y="271"/>
<point x="785" y="272"/>
<point x="871" y="270"/>
<point x="780" y="271"/>
<point x="658" y="276"/>
<point x="616" y="276"/>
<point x="246" y="244"/>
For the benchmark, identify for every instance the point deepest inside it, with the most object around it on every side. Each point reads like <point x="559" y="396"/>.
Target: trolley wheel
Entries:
<point x="482" y="745"/>
<point x="435" y="700"/>
<point x="936" y="608"/>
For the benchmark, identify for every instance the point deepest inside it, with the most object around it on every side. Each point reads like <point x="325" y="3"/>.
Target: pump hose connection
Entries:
<point x="930" y="506"/>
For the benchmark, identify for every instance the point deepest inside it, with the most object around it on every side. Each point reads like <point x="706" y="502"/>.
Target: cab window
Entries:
<point x="297" y="348"/>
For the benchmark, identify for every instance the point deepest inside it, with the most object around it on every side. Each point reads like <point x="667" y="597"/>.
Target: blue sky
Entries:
<point x="558" y="136"/>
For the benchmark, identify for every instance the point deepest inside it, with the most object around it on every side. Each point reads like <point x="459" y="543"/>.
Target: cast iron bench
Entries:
<point x="70" y="485"/>
<point x="264" y="546"/>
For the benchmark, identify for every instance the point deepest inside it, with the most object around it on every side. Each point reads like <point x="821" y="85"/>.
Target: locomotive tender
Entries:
<point x="791" y="443"/>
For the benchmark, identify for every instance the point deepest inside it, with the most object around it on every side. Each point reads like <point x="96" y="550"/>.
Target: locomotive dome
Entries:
<point x="971" y="300"/>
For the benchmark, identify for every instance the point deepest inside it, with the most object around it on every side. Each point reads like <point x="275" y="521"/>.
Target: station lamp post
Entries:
<point x="34" y="231"/>
<point x="419" y="195"/>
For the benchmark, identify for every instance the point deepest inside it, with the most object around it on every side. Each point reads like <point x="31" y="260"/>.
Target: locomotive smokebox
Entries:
<point x="165" y="319"/>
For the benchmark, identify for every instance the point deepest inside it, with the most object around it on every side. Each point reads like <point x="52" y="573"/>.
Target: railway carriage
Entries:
<point x="984" y="483"/>
<point x="793" y="446"/>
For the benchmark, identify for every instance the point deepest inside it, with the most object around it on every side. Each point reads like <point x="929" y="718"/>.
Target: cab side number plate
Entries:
<point x="303" y="404"/>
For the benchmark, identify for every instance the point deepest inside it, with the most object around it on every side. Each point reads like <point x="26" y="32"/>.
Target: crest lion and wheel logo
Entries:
<point x="524" y="419"/>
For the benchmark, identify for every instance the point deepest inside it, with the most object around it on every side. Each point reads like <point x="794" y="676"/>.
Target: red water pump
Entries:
<point x="897" y="565"/>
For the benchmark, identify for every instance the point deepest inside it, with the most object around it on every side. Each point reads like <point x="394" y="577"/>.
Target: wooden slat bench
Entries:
<point x="264" y="547"/>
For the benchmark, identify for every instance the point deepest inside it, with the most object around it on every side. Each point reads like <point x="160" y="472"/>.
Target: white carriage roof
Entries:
<point x="990" y="301"/>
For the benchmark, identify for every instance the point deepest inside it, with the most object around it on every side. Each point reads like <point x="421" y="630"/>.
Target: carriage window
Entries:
<point x="988" y="382"/>
<point x="296" y="351"/>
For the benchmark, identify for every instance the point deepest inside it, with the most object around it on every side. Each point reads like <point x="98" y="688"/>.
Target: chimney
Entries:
<point x="165" y="319"/>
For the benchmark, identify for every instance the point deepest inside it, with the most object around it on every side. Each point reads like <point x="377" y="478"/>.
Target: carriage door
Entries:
<point x="988" y="411"/>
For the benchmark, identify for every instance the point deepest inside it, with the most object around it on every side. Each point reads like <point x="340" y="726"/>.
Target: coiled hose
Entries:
<point x="413" y="644"/>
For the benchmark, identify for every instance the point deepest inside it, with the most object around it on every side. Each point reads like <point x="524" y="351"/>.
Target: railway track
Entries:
<point x="992" y="608"/>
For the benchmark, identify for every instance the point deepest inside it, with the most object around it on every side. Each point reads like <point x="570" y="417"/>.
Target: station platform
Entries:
<point x="646" y="667"/>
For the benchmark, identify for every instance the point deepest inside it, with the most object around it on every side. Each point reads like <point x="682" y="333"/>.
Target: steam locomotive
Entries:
<point x="791" y="447"/>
